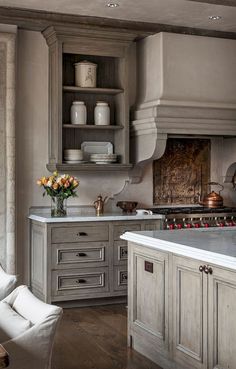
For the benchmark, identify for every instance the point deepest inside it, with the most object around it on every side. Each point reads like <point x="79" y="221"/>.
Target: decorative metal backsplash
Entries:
<point x="182" y="173"/>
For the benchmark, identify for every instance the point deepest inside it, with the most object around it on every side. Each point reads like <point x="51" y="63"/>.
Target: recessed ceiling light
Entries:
<point x="214" y="17"/>
<point x="112" y="5"/>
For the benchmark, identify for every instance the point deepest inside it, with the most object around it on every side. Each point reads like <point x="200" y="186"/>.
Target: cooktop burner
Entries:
<point x="192" y="210"/>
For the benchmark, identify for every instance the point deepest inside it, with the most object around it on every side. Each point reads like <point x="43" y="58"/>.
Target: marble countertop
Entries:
<point x="46" y="218"/>
<point x="212" y="245"/>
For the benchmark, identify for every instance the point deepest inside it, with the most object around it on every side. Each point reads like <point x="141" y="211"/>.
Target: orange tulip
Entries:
<point x="55" y="186"/>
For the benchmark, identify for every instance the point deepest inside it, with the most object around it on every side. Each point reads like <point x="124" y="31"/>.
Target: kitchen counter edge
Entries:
<point x="142" y="238"/>
<point x="93" y="218"/>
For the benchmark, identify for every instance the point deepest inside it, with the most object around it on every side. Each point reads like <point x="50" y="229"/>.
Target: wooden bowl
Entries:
<point x="127" y="206"/>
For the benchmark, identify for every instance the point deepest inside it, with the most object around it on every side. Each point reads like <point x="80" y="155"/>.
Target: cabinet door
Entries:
<point x="222" y="318"/>
<point x="148" y="299"/>
<point x="189" y="313"/>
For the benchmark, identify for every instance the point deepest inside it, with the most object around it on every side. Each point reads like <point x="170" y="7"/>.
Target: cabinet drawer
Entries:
<point x="80" y="282"/>
<point x="79" y="255"/>
<point x="151" y="226"/>
<point x="120" y="278"/>
<point x="80" y="234"/>
<point x="120" y="229"/>
<point x="120" y="252"/>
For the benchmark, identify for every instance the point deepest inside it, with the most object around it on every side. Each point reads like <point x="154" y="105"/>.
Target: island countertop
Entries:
<point x="212" y="245"/>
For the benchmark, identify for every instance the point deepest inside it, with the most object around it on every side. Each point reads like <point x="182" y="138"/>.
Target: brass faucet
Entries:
<point x="99" y="205"/>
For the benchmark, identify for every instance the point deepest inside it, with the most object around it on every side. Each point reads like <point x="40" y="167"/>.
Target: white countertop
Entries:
<point x="212" y="245"/>
<point x="46" y="218"/>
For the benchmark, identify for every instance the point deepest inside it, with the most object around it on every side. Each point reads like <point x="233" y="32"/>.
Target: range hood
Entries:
<point x="186" y="86"/>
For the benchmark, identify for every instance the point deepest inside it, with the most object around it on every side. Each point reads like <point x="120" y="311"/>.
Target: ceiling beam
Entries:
<point x="217" y="2"/>
<point x="37" y="20"/>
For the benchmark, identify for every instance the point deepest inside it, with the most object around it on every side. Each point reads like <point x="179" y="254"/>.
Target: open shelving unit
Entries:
<point x="110" y="52"/>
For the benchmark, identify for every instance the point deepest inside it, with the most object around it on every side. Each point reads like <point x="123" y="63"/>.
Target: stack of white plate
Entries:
<point x="73" y="156"/>
<point x="103" y="158"/>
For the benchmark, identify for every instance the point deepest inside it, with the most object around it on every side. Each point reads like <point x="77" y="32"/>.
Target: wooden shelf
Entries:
<point x="109" y="52"/>
<point x="92" y="126"/>
<point x="93" y="90"/>
<point x="87" y="167"/>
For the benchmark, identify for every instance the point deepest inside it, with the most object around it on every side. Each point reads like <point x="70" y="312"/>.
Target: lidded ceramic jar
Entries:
<point x="78" y="113"/>
<point x="102" y="114"/>
<point x="85" y="74"/>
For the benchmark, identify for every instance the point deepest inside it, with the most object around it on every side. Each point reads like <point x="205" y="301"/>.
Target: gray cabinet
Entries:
<point x="222" y="318"/>
<point x="110" y="52"/>
<point x="181" y="310"/>
<point x="148" y="301"/>
<point x="189" y="313"/>
<point x="204" y="312"/>
<point x="81" y="260"/>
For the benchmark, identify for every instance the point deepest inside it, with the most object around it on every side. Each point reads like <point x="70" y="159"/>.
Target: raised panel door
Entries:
<point x="189" y="313"/>
<point x="222" y="318"/>
<point x="148" y="298"/>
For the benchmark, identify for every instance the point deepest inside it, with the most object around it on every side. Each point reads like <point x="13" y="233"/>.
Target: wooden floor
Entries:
<point x="96" y="338"/>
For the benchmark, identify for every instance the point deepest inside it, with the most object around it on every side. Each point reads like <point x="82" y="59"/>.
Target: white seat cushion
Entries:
<point x="11" y="323"/>
<point x="7" y="283"/>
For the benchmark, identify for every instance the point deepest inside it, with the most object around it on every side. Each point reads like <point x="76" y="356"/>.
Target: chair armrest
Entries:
<point x="32" y="349"/>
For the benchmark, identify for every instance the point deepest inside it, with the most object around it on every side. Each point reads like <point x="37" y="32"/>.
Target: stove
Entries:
<point x="197" y="217"/>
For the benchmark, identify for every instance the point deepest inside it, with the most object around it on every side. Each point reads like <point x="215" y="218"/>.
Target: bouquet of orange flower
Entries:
<point x="63" y="186"/>
<point x="59" y="188"/>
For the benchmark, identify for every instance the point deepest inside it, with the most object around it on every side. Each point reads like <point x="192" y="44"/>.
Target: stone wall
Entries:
<point x="7" y="147"/>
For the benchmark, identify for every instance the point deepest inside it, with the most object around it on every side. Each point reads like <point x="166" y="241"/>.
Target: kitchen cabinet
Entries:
<point x="181" y="310"/>
<point x="189" y="313"/>
<point x="81" y="261"/>
<point x="148" y="300"/>
<point x="221" y="318"/>
<point x="110" y="52"/>
<point x="204" y="327"/>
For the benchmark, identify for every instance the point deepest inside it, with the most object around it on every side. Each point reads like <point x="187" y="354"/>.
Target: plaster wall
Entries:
<point x="32" y="149"/>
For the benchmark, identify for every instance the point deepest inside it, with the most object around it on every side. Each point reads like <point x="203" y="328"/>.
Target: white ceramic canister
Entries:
<point x="85" y="74"/>
<point x="78" y="113"/>
<point x="102" y="114"/>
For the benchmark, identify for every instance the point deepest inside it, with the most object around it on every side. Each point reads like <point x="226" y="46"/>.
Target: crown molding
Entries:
<point x="37" y="20"/>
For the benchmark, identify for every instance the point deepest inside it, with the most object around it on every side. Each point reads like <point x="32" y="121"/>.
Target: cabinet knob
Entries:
<point x="81" y="281"/>
<point x="82" y="234"/>
<point x="81" y="254"/>
<point x="208" y="269"/>
<point x="202" y="268"/>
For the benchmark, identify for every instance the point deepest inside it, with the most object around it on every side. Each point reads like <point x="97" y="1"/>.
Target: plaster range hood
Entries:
<point x="186" y="86"/>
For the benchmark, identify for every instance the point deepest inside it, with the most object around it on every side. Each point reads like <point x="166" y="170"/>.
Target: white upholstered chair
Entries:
<point x="27" y="329"/>
<point x="7" y="283"/>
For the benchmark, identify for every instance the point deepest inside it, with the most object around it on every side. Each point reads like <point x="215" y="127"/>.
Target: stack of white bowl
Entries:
<point x="103" y="158"/>
<point x="73" y="156"/>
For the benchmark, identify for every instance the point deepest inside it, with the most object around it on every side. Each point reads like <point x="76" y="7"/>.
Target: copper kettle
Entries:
<point x="213" y="199"/>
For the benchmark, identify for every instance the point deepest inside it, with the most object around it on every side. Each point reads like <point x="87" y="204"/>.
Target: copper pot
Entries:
<point x="213" y="199"/>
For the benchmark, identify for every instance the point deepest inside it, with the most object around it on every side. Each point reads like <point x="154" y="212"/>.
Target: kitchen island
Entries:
<point x="182" y="297"/>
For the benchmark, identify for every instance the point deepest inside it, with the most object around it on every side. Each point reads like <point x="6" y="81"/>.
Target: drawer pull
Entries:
<point x="81" y="254"/>
<point x="208" y="269"/>
<point x="81" y="281"/>
<point x="202" y="268"/>
<point x="82" y="234"/>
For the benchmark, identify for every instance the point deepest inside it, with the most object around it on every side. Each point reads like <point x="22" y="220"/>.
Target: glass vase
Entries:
<point x="58" y="206"/>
